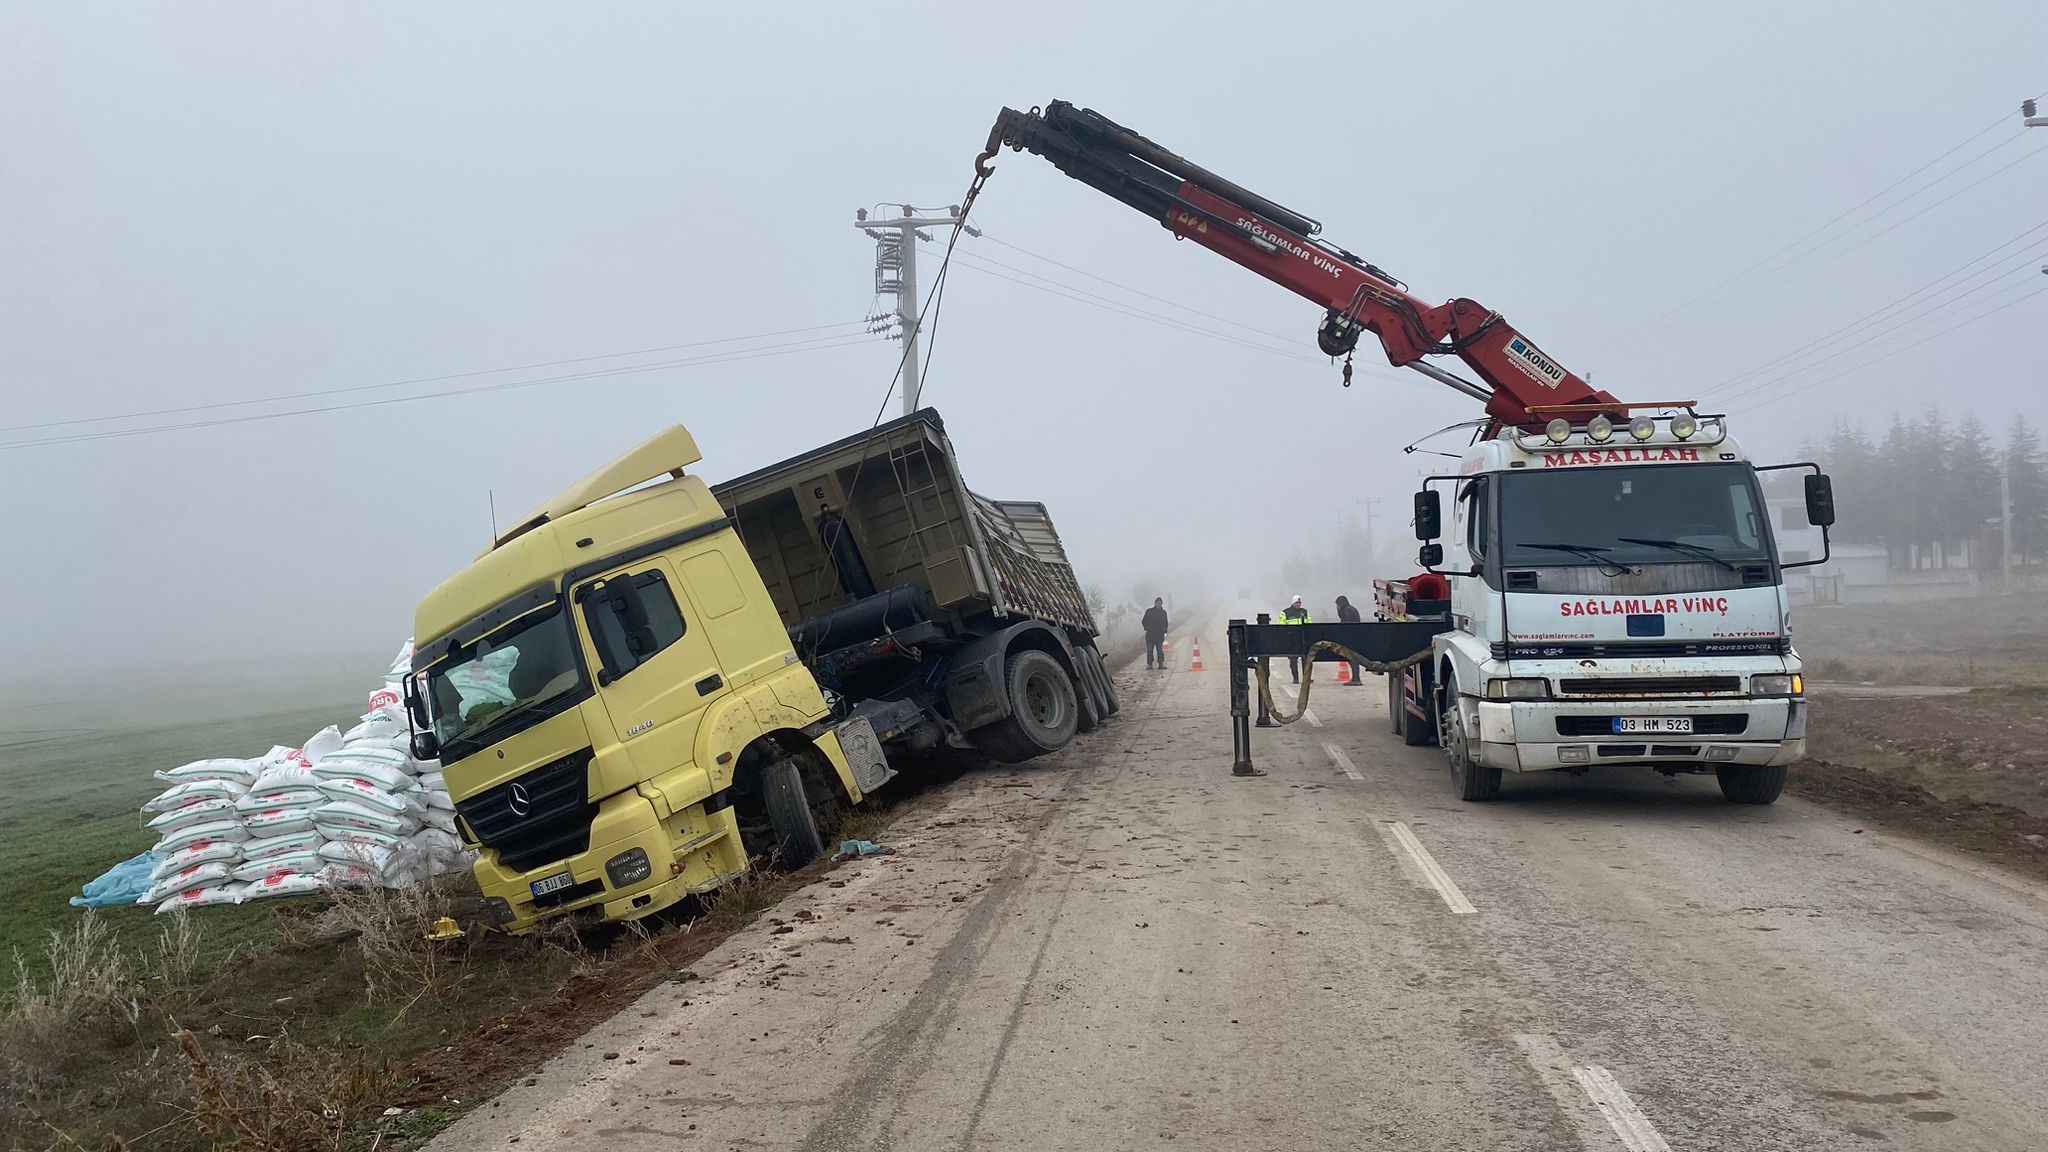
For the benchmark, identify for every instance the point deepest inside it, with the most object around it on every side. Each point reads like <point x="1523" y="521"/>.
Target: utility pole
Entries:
<point x="2032" y="121"/>
<point x="1372" y="504"/>
<point x="2005" y="522"/>
<point x="896" y="275"/>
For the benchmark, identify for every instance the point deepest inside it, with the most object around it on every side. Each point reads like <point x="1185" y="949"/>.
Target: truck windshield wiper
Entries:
<point x="1591" y="552"/>
<point x="1679" y="546"/>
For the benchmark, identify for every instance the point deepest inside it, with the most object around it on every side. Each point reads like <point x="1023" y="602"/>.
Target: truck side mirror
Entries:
<point x="1429" y="514"/>
<point x="425" y="746"/>
<point x="415" y="705"/>
<point x="1431" y="555"/>
<point x="1820" y="500"/>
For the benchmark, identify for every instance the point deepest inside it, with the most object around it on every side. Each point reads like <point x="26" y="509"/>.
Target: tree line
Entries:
<point x="1928" y="486"/>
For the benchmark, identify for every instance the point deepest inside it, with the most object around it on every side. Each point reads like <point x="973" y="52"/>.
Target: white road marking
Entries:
<point x="1342" y="761"/>
<point x="1314" y="721"/>
<point x="1432" y="873"/>
<point x="1623" y="1119"/>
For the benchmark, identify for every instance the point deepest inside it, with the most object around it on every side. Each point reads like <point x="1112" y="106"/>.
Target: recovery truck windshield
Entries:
<point x="504" y="682"/>
<point x="1628" y="516"/>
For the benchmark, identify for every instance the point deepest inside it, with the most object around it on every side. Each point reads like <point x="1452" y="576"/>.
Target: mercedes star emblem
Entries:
<point x="520" y="801"/>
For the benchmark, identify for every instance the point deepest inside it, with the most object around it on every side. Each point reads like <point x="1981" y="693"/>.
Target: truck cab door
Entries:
<point x="655" y="665"/>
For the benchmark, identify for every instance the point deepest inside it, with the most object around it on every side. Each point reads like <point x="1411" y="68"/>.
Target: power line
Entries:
<point x="1860" y="321"/>
<point x="820" y="344"/>
<point x="1630" y="337"/>
<point x="1128" y="288"/>
<point x="1751" y="297"/>
<point x="278" y="399"/>
<point x="2006" y="280"/>
<point x="1985" y="315"/>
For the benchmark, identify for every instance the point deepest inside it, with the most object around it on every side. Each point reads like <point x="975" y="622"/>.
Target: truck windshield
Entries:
<point x="505" y="682"/>
<point x="1652" y="514"/>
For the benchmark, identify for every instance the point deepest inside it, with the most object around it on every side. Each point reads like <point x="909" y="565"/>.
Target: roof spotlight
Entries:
<point x="1558" y="430"/>
<point x="1684" y="425"/>
<point x="1642" y="427"/>
<point x="1598" y="429"/>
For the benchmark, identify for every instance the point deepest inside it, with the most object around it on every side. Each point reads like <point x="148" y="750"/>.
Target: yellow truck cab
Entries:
<point x="617" y="706"/>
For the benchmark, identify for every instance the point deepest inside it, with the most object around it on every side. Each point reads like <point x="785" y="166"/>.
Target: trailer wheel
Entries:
<point x="1088" y="707"/>
<point x="1749" y="783"/>
<point x="1111" y="705"/>
<point x="1043" y="710"/>
<point x="1469" y="779"/>
<point x="797" y="842"/>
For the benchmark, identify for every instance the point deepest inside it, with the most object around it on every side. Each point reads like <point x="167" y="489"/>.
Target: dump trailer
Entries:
<point x="942" y="617"/>
<point x="641" y="688"/>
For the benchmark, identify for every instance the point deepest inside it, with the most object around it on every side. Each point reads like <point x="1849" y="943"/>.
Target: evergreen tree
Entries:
<point x="2029" y="488"/>
<point x="1894" y="517"/>
<point x="1970" y="494"/>
<point x="1851" y="460"/>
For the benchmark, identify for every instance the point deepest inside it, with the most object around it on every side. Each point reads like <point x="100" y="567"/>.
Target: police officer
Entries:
<point x="1294" y="613"/>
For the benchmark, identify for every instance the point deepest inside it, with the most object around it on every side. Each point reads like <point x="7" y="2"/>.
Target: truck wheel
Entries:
<point x="1750" y="784"/>
<point x="1414" y="733"/>
<point x="797" y="842"/>
<point x="1111" y="705"/>
<point x="1469" y="780"/>
<point x="1088" y="715"/>
<point x="1043" y="711"/>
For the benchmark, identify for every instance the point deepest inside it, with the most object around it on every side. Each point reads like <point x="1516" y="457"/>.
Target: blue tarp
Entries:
<point x="124" y="883"/>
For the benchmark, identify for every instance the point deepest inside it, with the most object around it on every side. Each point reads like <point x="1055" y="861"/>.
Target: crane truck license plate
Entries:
<point x="1626" y="725"/>
<point x="555" y="883"/>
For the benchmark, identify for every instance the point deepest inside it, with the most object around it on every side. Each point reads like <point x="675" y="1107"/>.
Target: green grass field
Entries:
<point x="75" y="764"/>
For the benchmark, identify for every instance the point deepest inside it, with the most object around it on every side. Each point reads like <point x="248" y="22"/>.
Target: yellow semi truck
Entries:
<point x="646" y="683"/>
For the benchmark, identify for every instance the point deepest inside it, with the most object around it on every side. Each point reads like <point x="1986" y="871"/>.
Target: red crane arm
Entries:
<point x="1280" y="245"/>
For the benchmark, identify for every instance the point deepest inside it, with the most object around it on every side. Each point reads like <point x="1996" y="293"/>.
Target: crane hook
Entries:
<point x="1347" y="369"/>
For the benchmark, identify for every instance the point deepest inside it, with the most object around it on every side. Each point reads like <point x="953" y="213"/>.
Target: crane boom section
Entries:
<point x="1280" y="244"/>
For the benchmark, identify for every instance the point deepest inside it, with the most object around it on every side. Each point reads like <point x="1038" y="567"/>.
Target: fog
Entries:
<point x="220" y="203"/>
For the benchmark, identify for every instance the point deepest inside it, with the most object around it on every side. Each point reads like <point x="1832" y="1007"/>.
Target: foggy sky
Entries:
<point x="207" y="203"/>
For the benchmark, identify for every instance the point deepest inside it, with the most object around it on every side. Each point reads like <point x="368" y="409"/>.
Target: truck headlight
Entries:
<point x="1518" y="688"/>
<point x="628" y="868"/>
<point x="1776" y="684"/>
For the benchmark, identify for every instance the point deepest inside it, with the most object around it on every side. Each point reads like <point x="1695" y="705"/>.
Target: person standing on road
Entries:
<point x="1294" y="613"/>
<point x="1155" y="634"/>
<point x="1346" y="614"/>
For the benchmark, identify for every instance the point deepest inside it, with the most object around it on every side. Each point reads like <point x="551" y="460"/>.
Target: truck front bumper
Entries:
<point x="1546" y="735"/>
<point x="690" y="852"/>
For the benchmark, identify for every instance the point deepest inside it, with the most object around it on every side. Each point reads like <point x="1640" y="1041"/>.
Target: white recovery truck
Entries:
<point x="1616" y="597"/>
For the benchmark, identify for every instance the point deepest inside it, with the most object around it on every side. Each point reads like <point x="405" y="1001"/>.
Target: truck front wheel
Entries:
<point x="797" y="842"/>
<point x="1469" y="779"/>
<point x="1750" y="784"/>
<point x="1043" y="710"/>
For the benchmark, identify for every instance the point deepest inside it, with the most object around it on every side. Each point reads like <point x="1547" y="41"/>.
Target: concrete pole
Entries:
<point x="906" y="313"/>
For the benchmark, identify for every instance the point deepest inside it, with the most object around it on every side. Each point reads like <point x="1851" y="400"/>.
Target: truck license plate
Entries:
<point x="1674" y="724"/>
<point x="555" y="883"/>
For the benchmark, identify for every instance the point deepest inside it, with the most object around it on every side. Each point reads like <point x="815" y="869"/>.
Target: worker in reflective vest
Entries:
<point x="1294" y="613"/>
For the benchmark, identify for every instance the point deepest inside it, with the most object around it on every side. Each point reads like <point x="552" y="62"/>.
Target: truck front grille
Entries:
<point x="1711" y="724"/>
<point x="1648" y="685"/>
<point x="538" y="818"/>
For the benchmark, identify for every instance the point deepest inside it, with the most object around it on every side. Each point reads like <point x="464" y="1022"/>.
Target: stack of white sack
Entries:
<point x="348" y="808"/>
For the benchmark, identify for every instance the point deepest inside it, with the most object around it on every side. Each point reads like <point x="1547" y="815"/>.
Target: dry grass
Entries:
<point x="291" y="1099"/>
<point x="859" y="825"/>
<point x="391" y="928"/>
<point x="741" y="899"/>
<point x="93" y="989"/>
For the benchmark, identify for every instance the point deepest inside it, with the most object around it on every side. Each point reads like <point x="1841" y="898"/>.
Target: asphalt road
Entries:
<point x="1124" y="947"/>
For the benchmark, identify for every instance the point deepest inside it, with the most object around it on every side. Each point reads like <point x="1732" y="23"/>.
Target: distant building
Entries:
<point x="1862" y="573"/>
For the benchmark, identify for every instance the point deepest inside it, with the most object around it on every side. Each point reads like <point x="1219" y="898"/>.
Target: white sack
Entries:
<point x="192" y="855"/>
<point x="305" y="863"/>
<point x="321" y="743"/>
<point x="236" y="771"/>
<point x="193" y="876"/>
<point x="292" y="796"/>
<point x="192" y="792"/>
<point x="229" y="893"/>
<point x="230" y="830"/>
<point x="193" y="813"/>
<point x="281" y="884"/>
<point x="271" y="823"/>
<point x="368" y="794"/>
<point x="282" y="844"/>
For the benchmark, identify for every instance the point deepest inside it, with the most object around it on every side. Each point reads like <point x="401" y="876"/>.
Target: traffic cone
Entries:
<point x="1343" y="673"/>
<point x="1195" y="665"/>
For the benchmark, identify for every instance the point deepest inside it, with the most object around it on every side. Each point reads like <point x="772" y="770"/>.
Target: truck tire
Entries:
<point x="1749" y="783"/>
<point x="797" y="842"/>
<point x="1469" y="780"/>
<point x="1043" y="710"/>
<point x="1112" y="705"/>
<point x="1088" y="702"/>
